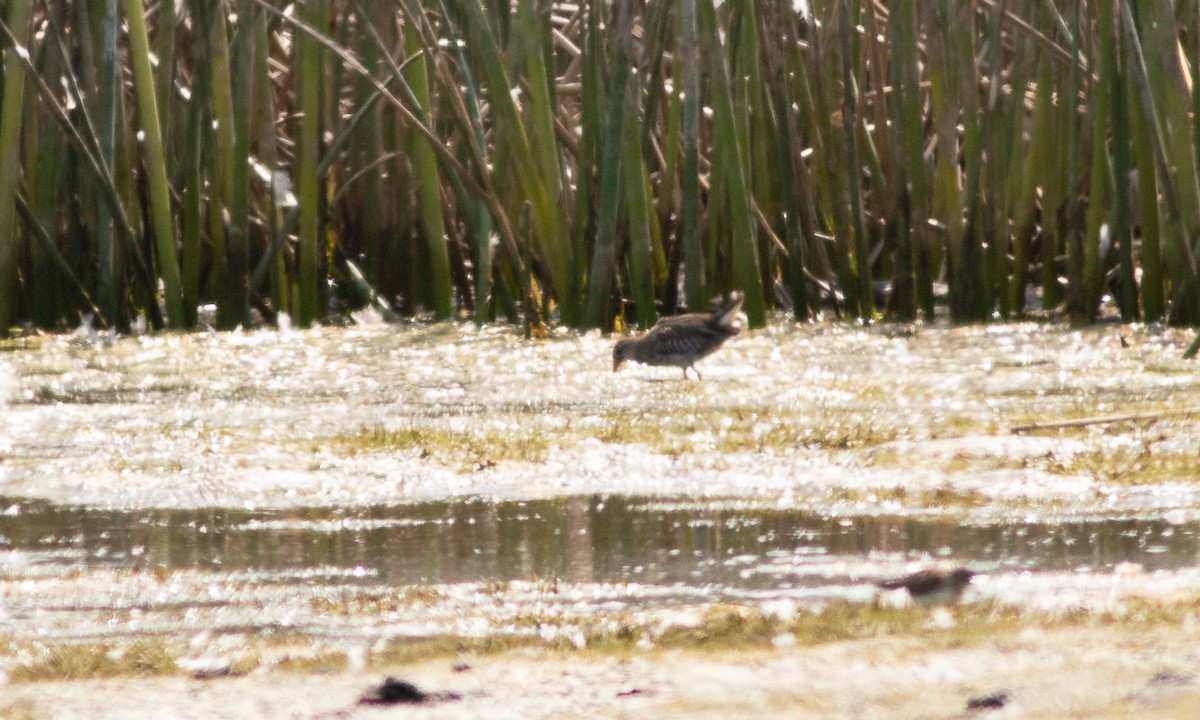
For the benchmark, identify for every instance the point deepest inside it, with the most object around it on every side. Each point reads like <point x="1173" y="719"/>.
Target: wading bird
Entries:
<point x="681" y="340"/>
<point x="933" y="586"/>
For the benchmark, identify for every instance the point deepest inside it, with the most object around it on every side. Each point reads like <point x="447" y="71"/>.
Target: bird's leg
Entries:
<point x="693" y="367"/>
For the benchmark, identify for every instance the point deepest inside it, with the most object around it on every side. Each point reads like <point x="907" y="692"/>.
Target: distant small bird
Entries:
<point x="933" y="586"/>
<point x="401" y="692"/>
<point x="995" y="701"/>
<point x="392" y="692"/>
<point x="681" y="340"/>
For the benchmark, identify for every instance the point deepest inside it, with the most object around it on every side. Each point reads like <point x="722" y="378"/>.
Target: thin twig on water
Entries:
<point x="1102" y="420"/>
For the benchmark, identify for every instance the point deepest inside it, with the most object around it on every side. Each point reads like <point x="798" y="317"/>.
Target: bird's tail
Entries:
<point x="727" y="315"/>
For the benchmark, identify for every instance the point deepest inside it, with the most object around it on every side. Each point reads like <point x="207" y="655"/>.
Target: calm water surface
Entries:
<point x="597" y="539"/>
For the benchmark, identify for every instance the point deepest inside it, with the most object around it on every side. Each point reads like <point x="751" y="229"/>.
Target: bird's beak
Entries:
<point x="617" y="363"/>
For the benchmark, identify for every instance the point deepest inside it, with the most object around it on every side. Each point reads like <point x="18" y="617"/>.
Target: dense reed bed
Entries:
<point x="595" y="164"/>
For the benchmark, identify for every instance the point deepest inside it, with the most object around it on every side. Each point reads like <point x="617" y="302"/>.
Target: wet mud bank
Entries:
<point x="343" y="501"/>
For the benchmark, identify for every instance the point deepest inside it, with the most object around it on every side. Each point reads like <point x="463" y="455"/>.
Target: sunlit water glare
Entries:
<point x="247" y="481"/>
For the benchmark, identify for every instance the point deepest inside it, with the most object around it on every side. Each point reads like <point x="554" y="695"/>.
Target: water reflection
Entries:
<point x="575" y="539"/>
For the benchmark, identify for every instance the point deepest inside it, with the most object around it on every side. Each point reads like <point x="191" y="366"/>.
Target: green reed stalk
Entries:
<point x="754" y="123"/>
<point x="1037" y="153"/>
<point x="366" y="197"/>
<point x="122" y="179"/>
<point x="515" y="156"/>
<point x="1153" y="300"/>
<point x="162" y="220"/>
<point x="45" y="172"/>
<point x="429" y="195"/>
<point x="79" y="131"/>
<point x="242" y="52"/>
<point x="10" y="154"/>
<point x="904" y="107"/>
<point x="164" y="33"/>
<point x="689" y="181"/>
<point x="947" y="193"/>
<point x="1120" y="229"/>
<point x="478" y="219"/>
<point x="640" y="211"/>
<point x="1191" y="25"/>
<point x="1162" y="38"/>
<point x="597" y="306"/>
<point x="831" y="166"/>
<point x="1006" y="158"/>
<point x="590" y="126"/>
<point x="790" y="171"/>
<point x="265" y="140"/>
<point x="55" y="258"/>
<point x="477" y="261"/>
<point x="839" y="133"/>
<point x="809" y="123"/>
<point x="965" y="278"/>
<point x="1176" y="179"/>
<point x="112" y="182"/>
<point x="732" y="166"/>
<point x="530" y="40"/>
<point x="1055" y="168"/>
<point x="529" y="44"/>
<point x="927" y="253"/>
<point x="192" y="178"/>
<point x="659" y="127"/>
<point x="291" y="220"/>
<point x="310" y="59"/>
<point x="107" y="296"/>
<point x="225" y="162"/>
<point x="1083" y="260"/>
<point x="1192" y="349"/>
<point x="862" y="252"/>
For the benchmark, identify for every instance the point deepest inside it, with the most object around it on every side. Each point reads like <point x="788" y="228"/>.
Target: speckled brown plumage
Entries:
<point x="681" y="340"/>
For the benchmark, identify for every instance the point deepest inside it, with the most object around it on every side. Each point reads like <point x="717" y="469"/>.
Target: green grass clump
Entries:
<point x="473" y="449"/>
<point x="728" y="430"/>
<point x="88" y="662"/>
<point x="723" y="627"/>
<point x="365" y="602"/>
<point x="406" y="651"/>
<point x="733" y="627"/>
<point x="319" y="662"/>
<point x="973" y="622"/>
<point x="19" y="711"/>
<point x="944" y="497"/>
<point x="1129" y="466"/>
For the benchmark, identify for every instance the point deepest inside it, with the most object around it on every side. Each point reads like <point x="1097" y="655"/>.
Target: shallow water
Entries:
<point x="74" y="573"/>
<point x="600" y="539"/>
<point x="254" y="481"/>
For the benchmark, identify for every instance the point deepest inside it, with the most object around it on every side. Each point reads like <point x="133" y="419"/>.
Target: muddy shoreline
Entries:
<point x="316" y="495"/>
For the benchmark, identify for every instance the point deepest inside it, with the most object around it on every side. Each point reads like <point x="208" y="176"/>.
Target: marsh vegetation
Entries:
<point x="595" y="164"/>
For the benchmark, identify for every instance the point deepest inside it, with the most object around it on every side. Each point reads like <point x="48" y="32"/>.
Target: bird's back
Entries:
<point x="683" y="339"/>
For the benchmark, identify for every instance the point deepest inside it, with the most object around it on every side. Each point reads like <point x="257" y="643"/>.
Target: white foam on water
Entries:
<point x="8" y="384"/>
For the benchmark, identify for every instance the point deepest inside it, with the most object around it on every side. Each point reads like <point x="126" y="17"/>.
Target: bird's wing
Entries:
<point x="919" y="582"/>
<point x="694" y="339"/>
<point x="690" y="323"/>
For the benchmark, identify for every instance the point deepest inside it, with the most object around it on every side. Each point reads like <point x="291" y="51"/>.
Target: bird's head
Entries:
<point x="962" y="576"/>
<point x="622" y="351"/>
